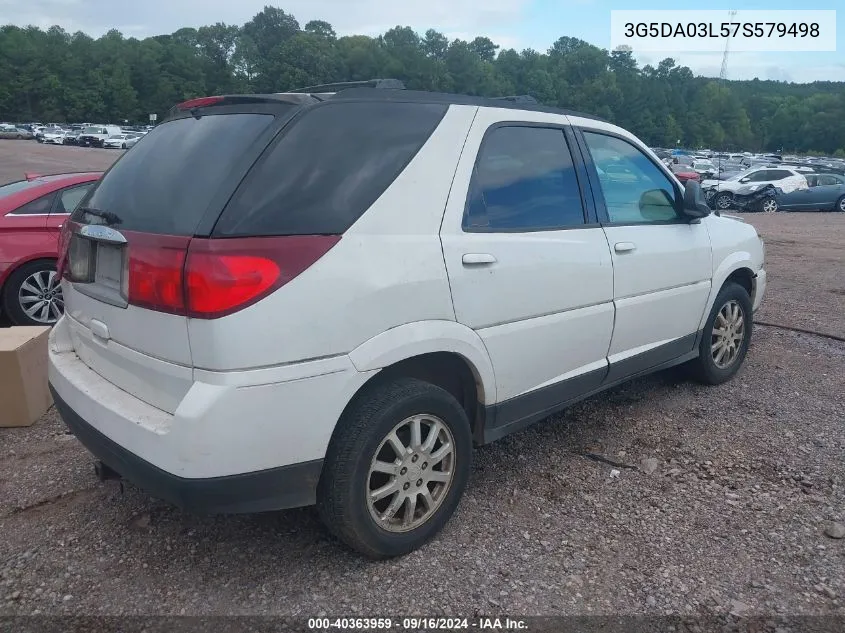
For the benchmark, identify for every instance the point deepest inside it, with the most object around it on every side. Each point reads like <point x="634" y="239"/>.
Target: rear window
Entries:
<point x="15" y="187"/>
<point x="165" y="184"/>
<point x="332" y="164"/>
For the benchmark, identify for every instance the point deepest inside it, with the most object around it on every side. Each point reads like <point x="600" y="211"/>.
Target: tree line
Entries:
<point x="56" y="76"/>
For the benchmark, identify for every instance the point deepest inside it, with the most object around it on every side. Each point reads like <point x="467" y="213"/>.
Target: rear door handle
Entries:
<point x="624" y="247"/>
<point x="478" y="259"/>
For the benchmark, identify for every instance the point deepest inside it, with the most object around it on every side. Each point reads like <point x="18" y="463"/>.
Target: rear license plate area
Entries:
<point x="109" y="266"/>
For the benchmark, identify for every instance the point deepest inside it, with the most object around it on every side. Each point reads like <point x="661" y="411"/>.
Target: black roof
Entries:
<point x="421" y="96"/>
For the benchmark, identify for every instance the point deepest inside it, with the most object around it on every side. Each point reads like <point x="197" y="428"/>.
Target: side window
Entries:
<point x="69" y="198"/>
<point x="779" y="174"/>
<point x="524" y="180"/>
<point x="635" y="190"/>
<point x="328" y="168"/>
<point x="760" y="175"/>
<point x="39" y="206"/>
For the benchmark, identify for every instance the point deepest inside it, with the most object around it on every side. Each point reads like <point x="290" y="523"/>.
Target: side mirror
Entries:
<point x="744" y="180"/>
<point x="695" y="206"/>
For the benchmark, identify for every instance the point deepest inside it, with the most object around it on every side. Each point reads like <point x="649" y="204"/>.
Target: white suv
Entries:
<point x="282" y="300"/>
<point x="720" y="192"/>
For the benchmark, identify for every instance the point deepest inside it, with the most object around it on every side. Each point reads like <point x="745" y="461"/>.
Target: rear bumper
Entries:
<point x="272" y="489"/>
<point x="238" y="441"/>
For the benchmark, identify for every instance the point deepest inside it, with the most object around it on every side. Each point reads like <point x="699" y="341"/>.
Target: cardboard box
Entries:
<point x="24" y="396"/>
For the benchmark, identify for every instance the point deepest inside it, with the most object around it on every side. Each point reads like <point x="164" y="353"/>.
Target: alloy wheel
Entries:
<point x="723" y="201"/>
<point x="770" y="205"/>
<point x="728" y="334"/>
<point x="411" y="473"/>
<point x="40" y="297"/>
<point x="841" y="205"/>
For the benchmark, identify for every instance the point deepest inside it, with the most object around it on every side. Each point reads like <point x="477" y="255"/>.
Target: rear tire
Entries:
<point x="375" y="448"/>
<point x="726" y="337"/>
<point x="840" y="205"/>
<point x="33" y="287"/>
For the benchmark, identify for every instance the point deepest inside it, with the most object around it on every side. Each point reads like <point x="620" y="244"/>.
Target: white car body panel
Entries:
<point x="219" y="428"/>
<point x="532" y="336"/>
<point x="655" y="301"/>
<point x="426" y="337"/>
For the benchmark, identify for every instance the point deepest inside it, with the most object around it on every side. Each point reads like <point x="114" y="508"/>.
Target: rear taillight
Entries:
<point x="227" y="275"/>
<point x="200" y="102"/>
<point x="155" y="269"/>
<point x="210" y="278"/>
<point x="64" y="244"/>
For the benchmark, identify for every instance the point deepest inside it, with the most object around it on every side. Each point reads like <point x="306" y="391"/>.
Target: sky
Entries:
<point x="510" y="23"/>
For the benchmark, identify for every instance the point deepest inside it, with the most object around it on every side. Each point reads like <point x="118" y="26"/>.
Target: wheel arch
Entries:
<point x="739" y="268"/>
<point x="36" y="257"/>
<point x="444" y="353"/>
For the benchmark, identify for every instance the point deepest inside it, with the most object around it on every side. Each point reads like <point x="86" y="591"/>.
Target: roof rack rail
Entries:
<point x="517" y="99"/>
<point x="381" y="84"/>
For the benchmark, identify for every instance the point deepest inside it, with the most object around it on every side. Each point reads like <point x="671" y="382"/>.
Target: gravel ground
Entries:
<point x="746" y="479"/>
<point x="805" y="256"/>
<point x="20" y="157"/>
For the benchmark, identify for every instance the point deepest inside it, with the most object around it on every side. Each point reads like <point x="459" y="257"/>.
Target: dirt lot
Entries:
<point x="20" y="157"/>
<point x="733" y="518"/>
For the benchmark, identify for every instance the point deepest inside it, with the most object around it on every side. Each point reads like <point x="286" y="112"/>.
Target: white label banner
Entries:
<point x="708" y="30"/>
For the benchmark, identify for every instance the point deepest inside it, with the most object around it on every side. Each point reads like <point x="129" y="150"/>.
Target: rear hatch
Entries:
<point x="125" y="250"/>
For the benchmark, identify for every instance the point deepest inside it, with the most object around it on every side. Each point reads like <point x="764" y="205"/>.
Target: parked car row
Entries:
<point x="85" y="135"/>
<point x="783" y="188"/>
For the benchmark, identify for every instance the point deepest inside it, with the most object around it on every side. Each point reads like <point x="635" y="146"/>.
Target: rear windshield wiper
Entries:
<point x="106" y="216"/>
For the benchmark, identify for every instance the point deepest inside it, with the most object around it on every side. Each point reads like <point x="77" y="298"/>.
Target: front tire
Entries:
<point x="769" y="205"/>
<point x="723" y="201"/>
<point x="33" y="294"/>
<point x="726" y="336"/>
<point x="840" y="205"/>
<point x="396" y="468"/>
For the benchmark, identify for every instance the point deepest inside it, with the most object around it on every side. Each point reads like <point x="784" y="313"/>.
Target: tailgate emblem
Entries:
<point x="102" y="234"/>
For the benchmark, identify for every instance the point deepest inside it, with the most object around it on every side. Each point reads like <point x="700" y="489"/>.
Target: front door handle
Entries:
<point x="624" y="247"/>
<point x="478" y="259"/>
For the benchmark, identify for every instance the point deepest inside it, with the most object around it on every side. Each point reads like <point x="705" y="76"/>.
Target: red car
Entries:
<point x="685" y="172"/>
<point x="32" y="212"/>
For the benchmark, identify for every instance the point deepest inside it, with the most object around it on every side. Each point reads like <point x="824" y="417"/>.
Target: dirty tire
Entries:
<point x="704" y="368"/>
<point x="342" y="490"/>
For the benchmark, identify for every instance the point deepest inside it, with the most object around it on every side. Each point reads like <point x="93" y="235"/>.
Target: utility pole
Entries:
<point x="724" y="73"/>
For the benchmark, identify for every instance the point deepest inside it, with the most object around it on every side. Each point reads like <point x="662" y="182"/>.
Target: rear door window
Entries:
<point x="524" y="180"/>
<point x="166" y="184"/>
<point x="69" y="198"/>
<point x="328" y="168"/>
<point x="39" y="206"/>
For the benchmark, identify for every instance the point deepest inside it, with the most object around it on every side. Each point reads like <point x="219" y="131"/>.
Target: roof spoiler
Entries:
<point x="31" y="176"/>
<point x="379" y="84"/>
